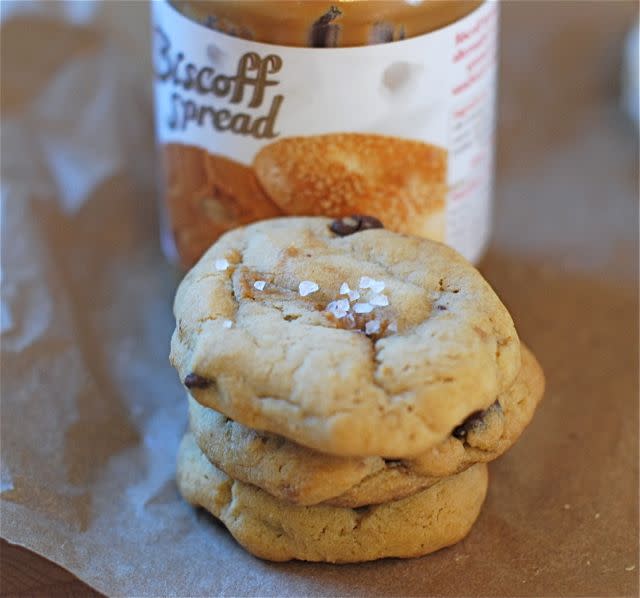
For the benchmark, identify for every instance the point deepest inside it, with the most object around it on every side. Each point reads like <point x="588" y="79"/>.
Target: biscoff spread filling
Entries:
<point x="363" y="309"/>
<point x="322" y="24"/>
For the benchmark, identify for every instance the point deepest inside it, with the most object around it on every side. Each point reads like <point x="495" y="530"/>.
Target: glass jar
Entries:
<point x="271" y="108"/>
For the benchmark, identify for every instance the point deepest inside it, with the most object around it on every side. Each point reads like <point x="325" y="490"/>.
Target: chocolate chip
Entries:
<point x="324" y="33"/>
<point x="354" y="224"/>
<point x="195" y="381"/>
<point x="394" y="462"/>
<point x="460" y="432"/>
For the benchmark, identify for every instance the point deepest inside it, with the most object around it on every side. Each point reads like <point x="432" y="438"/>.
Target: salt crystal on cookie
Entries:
<point x="366" y="282"/>
<point x="372" y="327"/>
<point x="363" y="308"/>
<point x="379" y="300"/>
<point x="221" y="265"/>
<point x="307" y="287"/>
<point x="339" y="308"/>
<point x="377" y="286"/>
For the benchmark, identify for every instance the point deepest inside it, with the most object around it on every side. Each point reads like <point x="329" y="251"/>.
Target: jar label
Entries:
<point x="403" y="131"/>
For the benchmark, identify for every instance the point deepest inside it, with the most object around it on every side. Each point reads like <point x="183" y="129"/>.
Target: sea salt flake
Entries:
<point x="339" y="308"/>
<point x="354" y="295"/>
<point x="344" y="289"/>
<point x="377" y="286"/>
<point x="343" y="304"/>
<point x="336" y="310"/>
<point x="366" y="282"/>
<point x="227" y="324"/>
<point x="306" y="287"/>
<point x="259" y="285"/>
<point x="379" y="300"/>
<point x="372" y="327"/>
<point x="221" y="265"/>
<point x="363" y="308"/>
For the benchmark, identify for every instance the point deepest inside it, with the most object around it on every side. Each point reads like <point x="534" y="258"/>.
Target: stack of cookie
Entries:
<point x="347" y="386"/>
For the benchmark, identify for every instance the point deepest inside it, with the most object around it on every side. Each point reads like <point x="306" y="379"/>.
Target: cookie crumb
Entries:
<point x="363" y="308"/>
<point x="227" y="324"/>
<point x="630" y="568"/>
<point x="379" y="300"/>
<point x="567" y="506"/>
<point x="222" y="265"/>
<point x="259" y="285"/>
<point x="306" y="287"/>
<point x="596" y="516"/>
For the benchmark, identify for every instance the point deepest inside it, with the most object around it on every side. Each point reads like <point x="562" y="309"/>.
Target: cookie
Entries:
<point x="277" y="531"/>
<point x="206" y="196"/>
<point x="299" y="475"/>
<point x="402" y="181"/>
<point x="370" y="344"/>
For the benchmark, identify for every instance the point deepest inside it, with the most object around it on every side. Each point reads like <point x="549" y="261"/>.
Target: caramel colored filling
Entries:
<point x="318" y="23"/>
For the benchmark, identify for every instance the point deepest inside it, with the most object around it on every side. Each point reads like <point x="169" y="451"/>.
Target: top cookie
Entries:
<point x="367" y="344"/>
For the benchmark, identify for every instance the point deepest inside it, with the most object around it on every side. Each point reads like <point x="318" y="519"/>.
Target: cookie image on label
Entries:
<point x="206" y="195"/>
<point x="345" y="173"/>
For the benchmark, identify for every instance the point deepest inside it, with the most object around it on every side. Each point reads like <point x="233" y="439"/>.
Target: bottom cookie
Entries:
<point x="274" y="530"/>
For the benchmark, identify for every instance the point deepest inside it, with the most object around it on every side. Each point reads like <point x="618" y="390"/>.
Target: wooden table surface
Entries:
<point x="23" y="573"/>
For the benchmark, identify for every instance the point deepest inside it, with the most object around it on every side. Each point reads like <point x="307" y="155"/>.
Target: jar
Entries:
<point x="271" y="108"/>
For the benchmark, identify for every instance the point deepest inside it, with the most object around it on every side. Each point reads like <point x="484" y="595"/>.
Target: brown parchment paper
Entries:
<point x="91" y="412"/>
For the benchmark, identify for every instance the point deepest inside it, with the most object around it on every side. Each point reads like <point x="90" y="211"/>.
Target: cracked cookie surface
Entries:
<point x="272" y="529"/>
<point x="264" y="336"/>
<point x="299" y="475"/>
